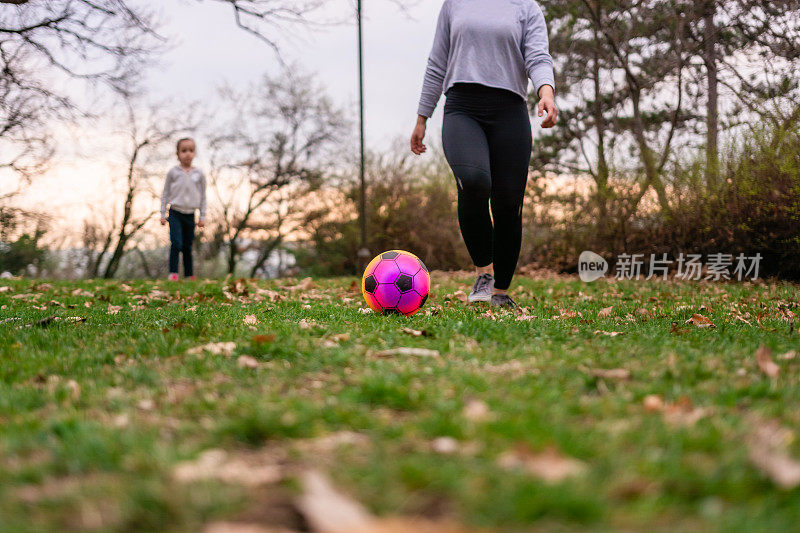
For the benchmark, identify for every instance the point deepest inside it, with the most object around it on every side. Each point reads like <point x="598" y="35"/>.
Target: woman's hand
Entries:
<point x="547" y="104"/>
<point x="418" y="135"/>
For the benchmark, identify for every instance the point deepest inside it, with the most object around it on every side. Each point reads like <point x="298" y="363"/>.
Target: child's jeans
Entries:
<point x="181" y="235"/>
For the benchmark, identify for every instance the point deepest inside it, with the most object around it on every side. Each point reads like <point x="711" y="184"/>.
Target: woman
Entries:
<point x="483" y="53"/>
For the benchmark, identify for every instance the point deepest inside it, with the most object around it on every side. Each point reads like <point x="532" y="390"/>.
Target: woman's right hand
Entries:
<point x="418" y="135"/>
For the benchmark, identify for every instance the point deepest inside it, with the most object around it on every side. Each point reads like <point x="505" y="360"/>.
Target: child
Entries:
<point x="184" y="191"/>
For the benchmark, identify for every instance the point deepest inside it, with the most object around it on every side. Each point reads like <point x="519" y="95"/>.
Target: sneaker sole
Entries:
<point x="479" y="298"/>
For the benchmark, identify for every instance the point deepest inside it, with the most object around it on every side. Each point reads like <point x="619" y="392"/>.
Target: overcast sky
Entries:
<point x="212" y="50"/>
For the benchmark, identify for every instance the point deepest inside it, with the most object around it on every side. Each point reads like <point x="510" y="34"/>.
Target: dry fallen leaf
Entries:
<point x="82" y="292"/>
<point x="765" y="362"/>
<point x="412" y="332"/>
<point x="458" y="295"/>
<point x="653" y="403"/>
<point x="46" y="321"/>
<point x="304" y="285"/>
<point x="328" y="511"/>
<point x="791" y="354"/>
<point x="683" y="413"/>
<point x="242" y="527"/>
<point x="263" y="339"/>
<point x="24" y="296"/>
<point x="330" y="442"/>
<point x="114" y="309"/>
<point x="251" y="470"/>
<point x="608" y="333"/>
<point x="549" y="465"/>
<point x="476" y="411"/>
<point x="246" y="361"/>
<point x="214" y="348"/>
<point x="74" y="390"/>
<point x="606" y="311"/>
<point x="411" y="352"/>
<point x="610" y="373"/>
<point x="700" y="321"/>
<point x="250" y="320"/>
<point x="146" y="405"/>
<point x="272" y="296"/>
<point x="444" y="445"/>
<point x="767" y="448"/>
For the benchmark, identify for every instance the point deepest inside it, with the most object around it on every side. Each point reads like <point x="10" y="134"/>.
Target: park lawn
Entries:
<point x="102" y="421"/>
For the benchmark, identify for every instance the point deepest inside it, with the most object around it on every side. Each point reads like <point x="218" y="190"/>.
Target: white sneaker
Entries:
<point x="482" y="290"/>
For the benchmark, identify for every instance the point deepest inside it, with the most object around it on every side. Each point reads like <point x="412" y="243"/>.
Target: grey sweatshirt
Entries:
<point x="498" y="43"/>
<point x="184" y="192"/>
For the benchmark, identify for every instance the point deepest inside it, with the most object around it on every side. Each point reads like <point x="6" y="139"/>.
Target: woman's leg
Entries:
<point x="467" y="152"/>
<point x="509" y="137"/>
<point x="188" y="238"/>
<point x="175" y="240"/>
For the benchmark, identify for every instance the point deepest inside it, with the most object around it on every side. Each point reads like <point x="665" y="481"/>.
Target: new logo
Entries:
<point x="591" y="266"/>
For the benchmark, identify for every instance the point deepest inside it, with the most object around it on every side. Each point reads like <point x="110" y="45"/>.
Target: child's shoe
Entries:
<point x="173" y="276"/>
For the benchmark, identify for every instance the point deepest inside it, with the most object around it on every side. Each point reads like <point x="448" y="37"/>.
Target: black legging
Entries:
<point x="181" y="235"/>
<point x="486" y="137"/>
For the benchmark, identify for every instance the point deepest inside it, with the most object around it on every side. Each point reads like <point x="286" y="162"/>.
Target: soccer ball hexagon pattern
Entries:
<point x="396" y="282"/>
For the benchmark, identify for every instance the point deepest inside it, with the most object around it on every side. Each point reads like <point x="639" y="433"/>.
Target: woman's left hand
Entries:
<point x="547" y="104"/>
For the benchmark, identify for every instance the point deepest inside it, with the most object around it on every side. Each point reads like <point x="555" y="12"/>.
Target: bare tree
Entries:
<point x="283" y="131"/>
<point x="262" y="18"/>
<point x="96" y="41"/>
<point x="45" y="42"/>
<point x="150" y="129"/>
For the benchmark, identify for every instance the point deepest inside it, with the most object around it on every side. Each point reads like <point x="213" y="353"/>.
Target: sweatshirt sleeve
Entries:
<point x="437" y="64"/>
<point x="535" y="50"/>
<point x="165" y="194"/>
<point x="202" y="197"/>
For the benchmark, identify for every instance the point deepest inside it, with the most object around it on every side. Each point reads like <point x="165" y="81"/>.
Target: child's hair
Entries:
<point x="184" y="139"/>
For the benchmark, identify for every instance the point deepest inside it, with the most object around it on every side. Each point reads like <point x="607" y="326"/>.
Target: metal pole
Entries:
<point x="363" y="253"/>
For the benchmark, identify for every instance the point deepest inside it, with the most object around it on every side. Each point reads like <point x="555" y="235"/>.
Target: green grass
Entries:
<point x="100" y="455"/>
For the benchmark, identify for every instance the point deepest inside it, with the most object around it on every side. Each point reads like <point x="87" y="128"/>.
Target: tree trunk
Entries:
<point x="712" y="105"/>
<point x="265" y="253"/>
<point x="650" y="168"/>
<point x="94" y="270"/>
<point x="600" y="126"/>
<point x="122" y="239"/>
<point x="145" y="265"/>
<point x="232" y="255"/>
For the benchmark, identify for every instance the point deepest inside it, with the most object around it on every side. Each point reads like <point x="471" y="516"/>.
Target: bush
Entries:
<point x="409" y="206"/>
<point x="751" y="206"/>
<point x="18" y="254"/>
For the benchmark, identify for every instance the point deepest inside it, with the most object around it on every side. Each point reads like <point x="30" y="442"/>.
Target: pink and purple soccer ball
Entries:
<point x="396" y="282"/>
